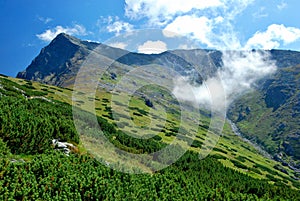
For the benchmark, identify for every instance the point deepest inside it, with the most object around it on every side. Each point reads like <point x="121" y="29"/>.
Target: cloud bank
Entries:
<point x="211" y="23"/>
<point x="273" y="37"/>
<point x="239" y="72"/>
<point x="161" y="11"/>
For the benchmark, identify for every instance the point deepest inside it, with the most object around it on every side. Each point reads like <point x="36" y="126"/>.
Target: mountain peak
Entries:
<point x="55" y="58"/>
<point x="60" y="60"/>
<point x="63" y="37"/>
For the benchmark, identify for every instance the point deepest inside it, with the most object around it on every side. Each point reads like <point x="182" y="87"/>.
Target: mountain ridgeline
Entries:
<point x="58" y="63"/>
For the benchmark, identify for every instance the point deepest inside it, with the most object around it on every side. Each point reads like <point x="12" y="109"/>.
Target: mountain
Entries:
<point x="60" y="61"/>
<point x="133" y="133"/>
<point x="277" y="96"/>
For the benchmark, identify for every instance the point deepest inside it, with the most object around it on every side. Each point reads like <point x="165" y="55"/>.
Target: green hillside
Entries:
<point x="33" y="114"/>
<point x="270" y="115"/>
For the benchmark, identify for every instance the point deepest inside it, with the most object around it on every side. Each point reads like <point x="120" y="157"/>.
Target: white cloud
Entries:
<point x="50" y="34"/>
<point x="239" y="72"/>
<point x="152" y="47"/>
<point x="93" y="41"/>
<point x="170" y="34"/>
<point x="186" y="47"/>
<point x="120" y="45"/>
<point x="197" y="27"/>
<point x="273" y="37"/>
<point x="213" y="28"/>
<point x="160" y="11"/>
<point x="119" y="26"/>
<point x="233" y="8"/>
<point x="113" y="24"/>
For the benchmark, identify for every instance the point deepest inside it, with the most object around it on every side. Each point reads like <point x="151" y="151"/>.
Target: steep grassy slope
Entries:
<point x="270" y="115"/>
<point x="231" y="150"/>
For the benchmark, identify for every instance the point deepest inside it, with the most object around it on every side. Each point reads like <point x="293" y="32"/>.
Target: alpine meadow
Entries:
<point x="181" y="100"/>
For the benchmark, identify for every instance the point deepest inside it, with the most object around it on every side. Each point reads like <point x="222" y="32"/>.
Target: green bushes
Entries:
<point x="196" y="144"/>
<point x="4" y="150"/>
<point x="127" y="142"/>
<point x="28" y="126"/>
<point x="11" y="88"/>
<point x="239" y="164"/>
<point x="57" y="177"/>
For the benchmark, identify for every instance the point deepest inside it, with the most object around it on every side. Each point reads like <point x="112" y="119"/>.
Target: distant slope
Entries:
<point x="270" y="115"/>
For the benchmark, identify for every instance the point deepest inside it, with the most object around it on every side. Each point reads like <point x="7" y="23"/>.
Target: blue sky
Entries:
<point x="29" y="25"/>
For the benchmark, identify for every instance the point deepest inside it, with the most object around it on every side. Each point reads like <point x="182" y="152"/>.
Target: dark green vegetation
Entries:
<point x="57" y="177"/>
<point x="29" y="121"/>
<point x="270" y="115"/>
<point x="120" y="139"/>
<point x="27" y="126"/>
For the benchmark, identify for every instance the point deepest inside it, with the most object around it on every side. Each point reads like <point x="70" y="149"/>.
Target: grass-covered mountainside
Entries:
<point x="270" y="115"/>
<point x="33" y="114"/>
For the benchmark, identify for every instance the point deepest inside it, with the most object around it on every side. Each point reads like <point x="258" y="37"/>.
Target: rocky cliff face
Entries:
<point x="58" y="63"/>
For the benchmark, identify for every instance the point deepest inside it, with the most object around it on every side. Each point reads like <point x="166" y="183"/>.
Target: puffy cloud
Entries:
<point x="273" y="36"/>
<point x="119" y="26"/>
<point x="160" y="11"/>
<point x="197" y="27"/>
<point x="186" y="47"/>
<point x="215" y="28"/>
<point x="113" y="24"/>
<point x="120" y="45"/>
<point x="152" y="47"/>
<point x="238" y="74"/>
<point x="50" y="34"/>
